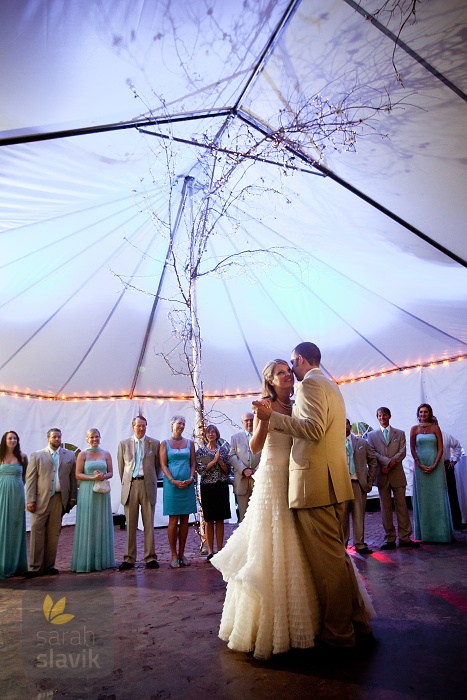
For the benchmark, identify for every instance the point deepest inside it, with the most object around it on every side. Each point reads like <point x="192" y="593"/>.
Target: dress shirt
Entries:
<point x="56" y="488"/>
<point x="452" y="449"/>
<point x="138" y="470"/>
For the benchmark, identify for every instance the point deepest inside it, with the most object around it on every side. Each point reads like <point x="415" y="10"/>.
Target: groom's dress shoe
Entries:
<point x="388" y="545"/>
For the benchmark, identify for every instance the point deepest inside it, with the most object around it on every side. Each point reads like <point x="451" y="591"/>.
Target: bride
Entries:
<point x="271" y="604"/>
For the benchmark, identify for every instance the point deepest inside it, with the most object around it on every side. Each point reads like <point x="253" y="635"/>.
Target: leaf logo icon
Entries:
<point x="53" y="613"/>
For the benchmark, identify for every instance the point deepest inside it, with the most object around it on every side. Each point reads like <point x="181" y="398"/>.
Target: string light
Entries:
<point x="219" y="396"/>
<point x="419" y="367"/>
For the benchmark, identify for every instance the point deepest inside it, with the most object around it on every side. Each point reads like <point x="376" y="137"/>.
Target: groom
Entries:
<point x="319" y="484"/>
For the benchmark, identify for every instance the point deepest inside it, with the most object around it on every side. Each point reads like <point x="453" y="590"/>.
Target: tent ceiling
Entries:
<point x="82" y="250"/>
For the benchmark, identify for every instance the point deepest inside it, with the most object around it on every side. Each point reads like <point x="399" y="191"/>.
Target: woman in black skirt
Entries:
<point x="213" y="466"/>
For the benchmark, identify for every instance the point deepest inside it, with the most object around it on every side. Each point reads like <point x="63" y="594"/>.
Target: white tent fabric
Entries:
<point x="373" y="266"/>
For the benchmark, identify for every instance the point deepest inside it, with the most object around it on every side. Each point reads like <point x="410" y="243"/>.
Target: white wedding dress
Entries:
<point x="271" y="604"/>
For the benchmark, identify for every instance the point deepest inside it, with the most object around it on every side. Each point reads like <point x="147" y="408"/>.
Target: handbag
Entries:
<point x="101" y="486"/>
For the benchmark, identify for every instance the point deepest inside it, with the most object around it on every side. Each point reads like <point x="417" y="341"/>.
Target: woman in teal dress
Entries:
<point x="93" y="544"/>
<point x="177" y="458"/>
<point x="430" y="499"/>
<point x="13" y="559"/>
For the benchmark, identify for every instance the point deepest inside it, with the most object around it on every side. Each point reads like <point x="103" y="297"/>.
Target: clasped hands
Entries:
<point x="182" y="484"/>
<point x="262" y="408"/>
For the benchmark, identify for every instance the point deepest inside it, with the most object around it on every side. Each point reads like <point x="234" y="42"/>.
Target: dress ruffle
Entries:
<point x="271" y="603"/>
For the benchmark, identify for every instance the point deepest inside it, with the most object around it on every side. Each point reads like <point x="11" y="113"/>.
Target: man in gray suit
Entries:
<point x="244" y="464"/>
<point x="362" y="464"/>
<point x="50" y="492"/>
<point x="138" y="465"/>
<point x="390" y="449"/>
<point x="319" y="483"/>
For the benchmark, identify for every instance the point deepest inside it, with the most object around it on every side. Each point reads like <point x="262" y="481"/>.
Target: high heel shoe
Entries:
<point x="175" y="564"/>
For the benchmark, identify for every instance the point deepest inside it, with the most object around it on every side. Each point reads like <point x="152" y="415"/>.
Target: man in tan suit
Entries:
<point x="319" y="483"/>
<point x="362" y="464"/>
<point x="50" y="492"/>
<point x="138" y="465"/>
<point x="244" y="464"/>
<point x="390" y="449"/>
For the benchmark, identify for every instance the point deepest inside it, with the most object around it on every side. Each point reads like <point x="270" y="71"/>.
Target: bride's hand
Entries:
<point x="262" y="409"/>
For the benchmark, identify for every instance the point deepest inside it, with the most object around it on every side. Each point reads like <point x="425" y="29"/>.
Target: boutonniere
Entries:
<point x="361" y="447"/>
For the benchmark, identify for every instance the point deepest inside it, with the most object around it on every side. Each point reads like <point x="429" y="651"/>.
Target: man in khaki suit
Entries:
<point x="362" y="464"/>
<point x="390" y="449"/>
<point x="50" y="492"/>
<point x="319" y="483"/>
<point x="244" y="464"/>
<point x="138" y="465"/>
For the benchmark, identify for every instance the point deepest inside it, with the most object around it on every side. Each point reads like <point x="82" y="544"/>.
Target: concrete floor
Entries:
<point x="160" y="632"/>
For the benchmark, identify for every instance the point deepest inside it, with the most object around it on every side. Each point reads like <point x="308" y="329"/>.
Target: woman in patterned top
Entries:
<point x="213" y="465"/>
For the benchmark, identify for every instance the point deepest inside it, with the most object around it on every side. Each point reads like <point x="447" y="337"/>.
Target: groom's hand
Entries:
<point x="262" y="409"/>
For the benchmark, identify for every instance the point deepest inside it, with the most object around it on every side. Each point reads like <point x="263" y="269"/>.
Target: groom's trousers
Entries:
<point x="342" y="605"/>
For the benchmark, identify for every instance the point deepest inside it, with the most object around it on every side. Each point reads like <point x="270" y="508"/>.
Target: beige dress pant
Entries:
<point x="342" y="605"/>
<point x="136" y="500"/>
<point x="404" y="526"/>
<point x="45" y="531"/>
<point x="357" y="508"/>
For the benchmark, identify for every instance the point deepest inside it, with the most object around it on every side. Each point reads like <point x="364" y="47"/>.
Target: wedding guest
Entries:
<point x="177" y="457"/>
<point x="50" y="492"/>
<point x="390" y="449"/>
<point x="452" y="452"/>
<point x="93" y="544"/>
<point x="212" y="463"/>
<point x="362" y="464"/>
<point x="244" y="464"/>
<point x="431" y="511"/>
<point x="13" y="463"/>
<point x="138" y="466"/>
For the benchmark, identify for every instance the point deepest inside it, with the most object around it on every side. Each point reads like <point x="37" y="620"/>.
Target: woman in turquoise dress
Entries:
<point x="13" y="559"/>
<point x="430" y="499"/>
<point x="177" y="458"/>
<point x="93" y="544"/>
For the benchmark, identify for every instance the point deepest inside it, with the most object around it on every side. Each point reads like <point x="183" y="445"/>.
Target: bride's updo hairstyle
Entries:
<point x="268" y="390"/>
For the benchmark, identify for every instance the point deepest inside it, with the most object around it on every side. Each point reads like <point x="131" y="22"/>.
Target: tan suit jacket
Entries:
<point x="40" y="476"/>
<point x="241" y="458"/>
<point x="318" y="473"/>
<point x="395" y="449"/>
<point x="365" y="462"/>
<point x="151" y="467"/>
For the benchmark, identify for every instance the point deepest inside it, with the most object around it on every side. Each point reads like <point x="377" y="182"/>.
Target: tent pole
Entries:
<point x="186" y="184"/>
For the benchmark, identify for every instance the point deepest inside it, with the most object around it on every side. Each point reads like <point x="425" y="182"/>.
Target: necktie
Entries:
<point x="55" y="461"/>
<point x="248" y="437"/>
<point x="137" y="458"/>
<point x="350" y="459"/>
<point x="386" y="435"/>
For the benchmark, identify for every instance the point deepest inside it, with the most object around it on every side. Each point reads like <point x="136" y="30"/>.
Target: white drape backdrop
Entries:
<point x="443" y="386"/>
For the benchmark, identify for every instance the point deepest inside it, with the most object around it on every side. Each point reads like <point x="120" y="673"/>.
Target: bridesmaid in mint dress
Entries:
<point x="93" y="544"/>
<point x="13" y="559"/>
<point x="430" y="499"/>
